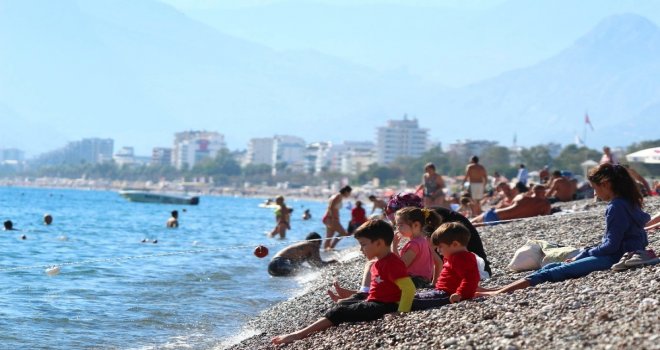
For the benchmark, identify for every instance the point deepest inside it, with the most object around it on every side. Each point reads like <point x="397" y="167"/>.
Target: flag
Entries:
<point x="587" y="121"/>
<point x="578" y="141"/>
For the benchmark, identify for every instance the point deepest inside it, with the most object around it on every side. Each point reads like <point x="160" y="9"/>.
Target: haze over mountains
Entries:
<point x="138" y="71"/>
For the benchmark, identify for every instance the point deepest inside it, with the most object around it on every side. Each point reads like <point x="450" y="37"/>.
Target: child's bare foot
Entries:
<point x="333" y="296"/>
<point x="285" y="339"/>
<point x="342" y="292"/>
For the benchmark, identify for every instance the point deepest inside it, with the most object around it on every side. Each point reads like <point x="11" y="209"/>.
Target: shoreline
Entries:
<point x="605" y="309"/>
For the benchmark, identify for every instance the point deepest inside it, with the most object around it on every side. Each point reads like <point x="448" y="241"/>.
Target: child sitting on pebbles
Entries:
<point x="459" y="278"/>
<point x="624" y="232"/>
<point x="416" y="225"/>
<point x="391" y="287"/>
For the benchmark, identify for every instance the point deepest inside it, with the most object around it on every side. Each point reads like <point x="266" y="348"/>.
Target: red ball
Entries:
<point x="260" y="251"/>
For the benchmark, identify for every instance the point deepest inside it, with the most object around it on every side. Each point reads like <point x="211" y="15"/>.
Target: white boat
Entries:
<point x="154" y="197"/>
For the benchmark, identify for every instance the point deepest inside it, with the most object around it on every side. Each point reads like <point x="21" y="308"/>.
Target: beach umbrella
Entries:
<point x="647" y="156"/>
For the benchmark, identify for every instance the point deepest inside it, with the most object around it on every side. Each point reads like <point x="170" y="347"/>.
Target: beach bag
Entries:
<point x="527" y="257"/>
<point x="553" y="252"/>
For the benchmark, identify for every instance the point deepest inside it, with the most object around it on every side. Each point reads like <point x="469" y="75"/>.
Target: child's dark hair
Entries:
<point x="429" y="219"/>
<point x="313" y="236"/>
<point x="358" y="204"/>
<point x="622" y="183"/>
<point x="374" y="230"/>
<point x="450" y="232"/>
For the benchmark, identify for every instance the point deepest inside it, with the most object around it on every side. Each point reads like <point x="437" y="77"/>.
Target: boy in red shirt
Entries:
<point x="459" y="278"/>
<point x="391" y="288"/>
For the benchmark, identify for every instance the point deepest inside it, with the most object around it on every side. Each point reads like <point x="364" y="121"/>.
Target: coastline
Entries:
<point x="605" y="309"/>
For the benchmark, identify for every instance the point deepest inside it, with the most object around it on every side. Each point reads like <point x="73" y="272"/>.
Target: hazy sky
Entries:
<point x="139" y="71"/>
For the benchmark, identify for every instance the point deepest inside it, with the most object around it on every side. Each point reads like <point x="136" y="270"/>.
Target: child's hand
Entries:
<point x="455" y="298"/>
<point x="569" y="260"/>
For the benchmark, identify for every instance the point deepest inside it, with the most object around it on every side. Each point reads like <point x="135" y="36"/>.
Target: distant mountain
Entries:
<point x="140" y="70"/>
<point x="611" y="73"/>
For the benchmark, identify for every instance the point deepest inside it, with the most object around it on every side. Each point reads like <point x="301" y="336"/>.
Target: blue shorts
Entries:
<point x="491" y="216"/>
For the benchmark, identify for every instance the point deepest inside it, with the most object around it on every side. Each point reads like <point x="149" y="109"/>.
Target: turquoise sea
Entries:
<point x="194" y="289"/>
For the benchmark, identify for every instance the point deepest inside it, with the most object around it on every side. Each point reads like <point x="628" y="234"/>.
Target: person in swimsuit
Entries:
<point x="331" y="218"/>
<point x="433" y="186"/>
<point x="477" y="177"/>
<point x="289" y="260"/>
<point x="282" y="214"/>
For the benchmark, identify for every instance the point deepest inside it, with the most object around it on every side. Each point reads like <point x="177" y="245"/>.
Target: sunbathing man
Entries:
<point x="561" y="189"/>
<point x="525" y="206"/>
<point x="506" y="193"/>
<point x="288" y="261"/>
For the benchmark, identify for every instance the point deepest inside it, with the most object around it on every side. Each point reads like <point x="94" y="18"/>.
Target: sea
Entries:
<point x="89" y="281"/>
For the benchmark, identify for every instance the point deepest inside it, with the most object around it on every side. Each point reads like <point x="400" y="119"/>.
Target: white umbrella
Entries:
<point x="648" y="156"/>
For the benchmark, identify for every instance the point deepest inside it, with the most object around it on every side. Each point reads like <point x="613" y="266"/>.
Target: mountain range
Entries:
<point x="138" y="71"/>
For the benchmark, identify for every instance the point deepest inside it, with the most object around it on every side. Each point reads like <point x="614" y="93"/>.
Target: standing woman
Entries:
<point x="331" y="218"/>
<point x="433" y="186"/>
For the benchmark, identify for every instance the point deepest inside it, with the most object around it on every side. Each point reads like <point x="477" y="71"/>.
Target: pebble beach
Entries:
<point x="604" y="310"/>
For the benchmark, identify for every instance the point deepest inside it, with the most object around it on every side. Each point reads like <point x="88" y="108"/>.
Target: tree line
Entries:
<point x="225" y="170"/>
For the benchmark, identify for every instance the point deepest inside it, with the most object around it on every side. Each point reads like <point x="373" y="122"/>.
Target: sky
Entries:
<point x="440" y="45"/>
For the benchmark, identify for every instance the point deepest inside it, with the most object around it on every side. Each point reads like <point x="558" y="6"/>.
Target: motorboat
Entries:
<point x="155" y="197"/>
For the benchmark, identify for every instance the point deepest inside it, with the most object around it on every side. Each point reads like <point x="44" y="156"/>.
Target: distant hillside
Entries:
<point x="140" y="70"/>
<point x="611" y="72"/>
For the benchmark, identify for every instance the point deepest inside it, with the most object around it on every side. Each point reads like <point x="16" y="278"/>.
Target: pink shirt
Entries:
<point x="422" y="265"/>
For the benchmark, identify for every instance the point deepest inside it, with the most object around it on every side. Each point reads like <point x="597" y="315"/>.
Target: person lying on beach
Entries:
<point x="528" y="205"/>
<point x="459" y="278"/>
<point x="391" y="289"/>
<point x="644" y="186"/>
<point x="377" y="204"/>
<point x="289" y="260"/>
<point x="506" y="194"/>
<point x="282" y="215"/>
<point x="624" y="231"/>
<point x="561" y="189"/>
<point x="173" y="221"/>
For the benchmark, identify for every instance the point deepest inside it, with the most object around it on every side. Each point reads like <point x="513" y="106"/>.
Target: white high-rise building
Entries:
<point x="400" y="138"/>
<point x="317" y="157"/>
<point x="289" y="150"/>
<point x="190" y="147"/>
<point x="260" y="151"/>
<point x="357" y="156"/>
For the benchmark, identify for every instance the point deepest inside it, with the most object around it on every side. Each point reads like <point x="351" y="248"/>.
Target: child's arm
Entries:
<point x="408" y="257"/>
<point x="616" y="224"/>
<point x="469" y="273"/>
<point x="407" y="293"/>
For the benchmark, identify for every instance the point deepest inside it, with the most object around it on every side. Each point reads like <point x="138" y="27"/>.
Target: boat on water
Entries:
<point x="154" y="197"/>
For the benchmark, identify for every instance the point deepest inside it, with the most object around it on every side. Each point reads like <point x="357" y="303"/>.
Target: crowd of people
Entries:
<point x="424" y="253"/>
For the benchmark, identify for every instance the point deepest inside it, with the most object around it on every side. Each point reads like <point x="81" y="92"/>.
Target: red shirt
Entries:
<point x="383" y="274"/>
<point x="460" y="275"/>
<point x="358" y="216"/>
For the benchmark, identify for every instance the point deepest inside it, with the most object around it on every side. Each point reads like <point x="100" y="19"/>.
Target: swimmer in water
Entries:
<point x="48" y="219"/>
<point x="173" y="221"/>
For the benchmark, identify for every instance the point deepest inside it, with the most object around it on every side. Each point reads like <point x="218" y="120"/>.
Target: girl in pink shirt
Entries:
<point x="416" y="224"/>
